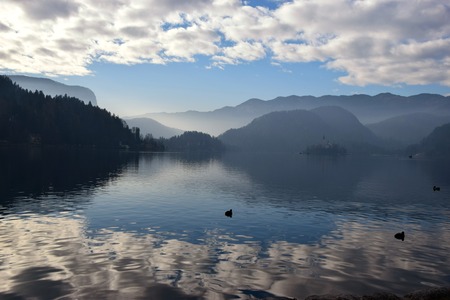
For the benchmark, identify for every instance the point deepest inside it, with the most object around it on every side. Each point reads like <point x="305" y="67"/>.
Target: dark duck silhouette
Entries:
<point x="229" y="213"/>
<point x="436" y="188"/>
<point x="400" y="236"/>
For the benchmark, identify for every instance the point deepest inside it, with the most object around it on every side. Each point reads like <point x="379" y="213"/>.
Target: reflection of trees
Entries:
<point x="341" y="178"/>
<point x="196" y="158"/>
<point x="308" y="177"/>
<point x="37" y="172"/>
<point x="51" y="255"/>
<point x="438" y="170"/>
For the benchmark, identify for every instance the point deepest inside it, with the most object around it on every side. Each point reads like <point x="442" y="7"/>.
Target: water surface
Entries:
<point x="96" y="224"/>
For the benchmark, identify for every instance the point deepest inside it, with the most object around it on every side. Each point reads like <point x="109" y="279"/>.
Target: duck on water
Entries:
<point x="400" y="236"/>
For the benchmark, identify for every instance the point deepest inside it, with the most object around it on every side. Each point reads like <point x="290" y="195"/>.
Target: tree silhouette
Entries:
<point x="194" y="141"/>
<point x="32" y="117"/>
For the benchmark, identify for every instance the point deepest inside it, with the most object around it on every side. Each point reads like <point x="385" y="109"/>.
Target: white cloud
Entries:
<point x="187" y="42"/>
<point x="242" y="51"/>
<point x="373" y="42"/>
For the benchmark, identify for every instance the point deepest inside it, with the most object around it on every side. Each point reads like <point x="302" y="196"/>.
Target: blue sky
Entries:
<point x="142" y="56"/>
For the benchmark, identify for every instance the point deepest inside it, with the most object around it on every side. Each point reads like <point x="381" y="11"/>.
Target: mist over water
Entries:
<point x="107" y="224"/>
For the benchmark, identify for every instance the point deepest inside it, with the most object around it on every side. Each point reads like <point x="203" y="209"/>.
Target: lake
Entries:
<point x="106" y="225"/>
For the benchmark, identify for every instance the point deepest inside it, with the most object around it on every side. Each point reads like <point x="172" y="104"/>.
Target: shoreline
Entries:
<point x="439" y="293"/>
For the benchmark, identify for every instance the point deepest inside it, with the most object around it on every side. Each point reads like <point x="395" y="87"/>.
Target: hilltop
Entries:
<point x="54" y="88"/>
<point x="295" y="130"/>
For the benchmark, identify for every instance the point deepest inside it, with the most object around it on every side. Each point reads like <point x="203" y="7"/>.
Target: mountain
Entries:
<point x="346" y="127"/>
<point x="368" y="109"/>
<point x="436" y="144"/>
<point x="54" y="88"/>
<point x="214" y="123"/>
<point x="297" y="129"/>
<point x="34" y="118"/>
<point x="156" y="129"/>
<point x="408" y="129"/>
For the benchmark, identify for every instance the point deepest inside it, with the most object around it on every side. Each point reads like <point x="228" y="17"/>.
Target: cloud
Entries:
<point x="46" y="9"/>
<point x="373" y="42"/>
<point x="242" y="51"/>
<point x="3" y="27"/>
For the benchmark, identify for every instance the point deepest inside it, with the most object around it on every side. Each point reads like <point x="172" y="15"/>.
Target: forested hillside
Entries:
<point x="407" y="129"/>
<point x="32" y="117"/>
<point x="295" y="130"/>
<point x="437" y="144"/>
<point x="193" y="141"/>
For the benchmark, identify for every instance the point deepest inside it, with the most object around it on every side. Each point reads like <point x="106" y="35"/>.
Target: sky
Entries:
<point x="141" y="56"/>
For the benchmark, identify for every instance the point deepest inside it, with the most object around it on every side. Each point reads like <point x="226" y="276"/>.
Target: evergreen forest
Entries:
<point x="28" y="117"/>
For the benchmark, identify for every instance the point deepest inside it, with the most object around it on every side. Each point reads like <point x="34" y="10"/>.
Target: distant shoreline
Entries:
<point x="440" y="293"/>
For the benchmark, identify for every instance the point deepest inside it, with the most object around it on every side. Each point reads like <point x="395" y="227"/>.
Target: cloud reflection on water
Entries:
<point x="47" y="256"/>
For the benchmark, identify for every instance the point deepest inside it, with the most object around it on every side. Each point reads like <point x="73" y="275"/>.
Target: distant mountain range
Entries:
<point x="368" y="109"/>
<point x="295" y="130"/>
<point x="156" y="129"/>
<point x="53" y="88"/>
<point x="393" y="121"/>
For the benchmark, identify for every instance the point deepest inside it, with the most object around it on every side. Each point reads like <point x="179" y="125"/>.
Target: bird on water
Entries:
<point x="229" y="213"/>
<point x="400" y="236"/>
<point x="436" y="188"/>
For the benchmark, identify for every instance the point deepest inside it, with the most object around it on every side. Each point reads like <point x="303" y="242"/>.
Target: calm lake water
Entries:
<point x="108" y="225"/>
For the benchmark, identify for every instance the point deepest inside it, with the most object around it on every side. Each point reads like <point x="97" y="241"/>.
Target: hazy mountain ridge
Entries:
<point x="368" y="109"/>
<point x="347" y="127"/>
<point x="54" y="88"/>
<point x="407" y="129"/>
<point x="156" y="129"/>
<point x="436" y="144"/>
<point x="264" y="133"/>
<point x="296" y="129"/>
<point x="214" y="122"/>
<point x="412" y="118"/>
